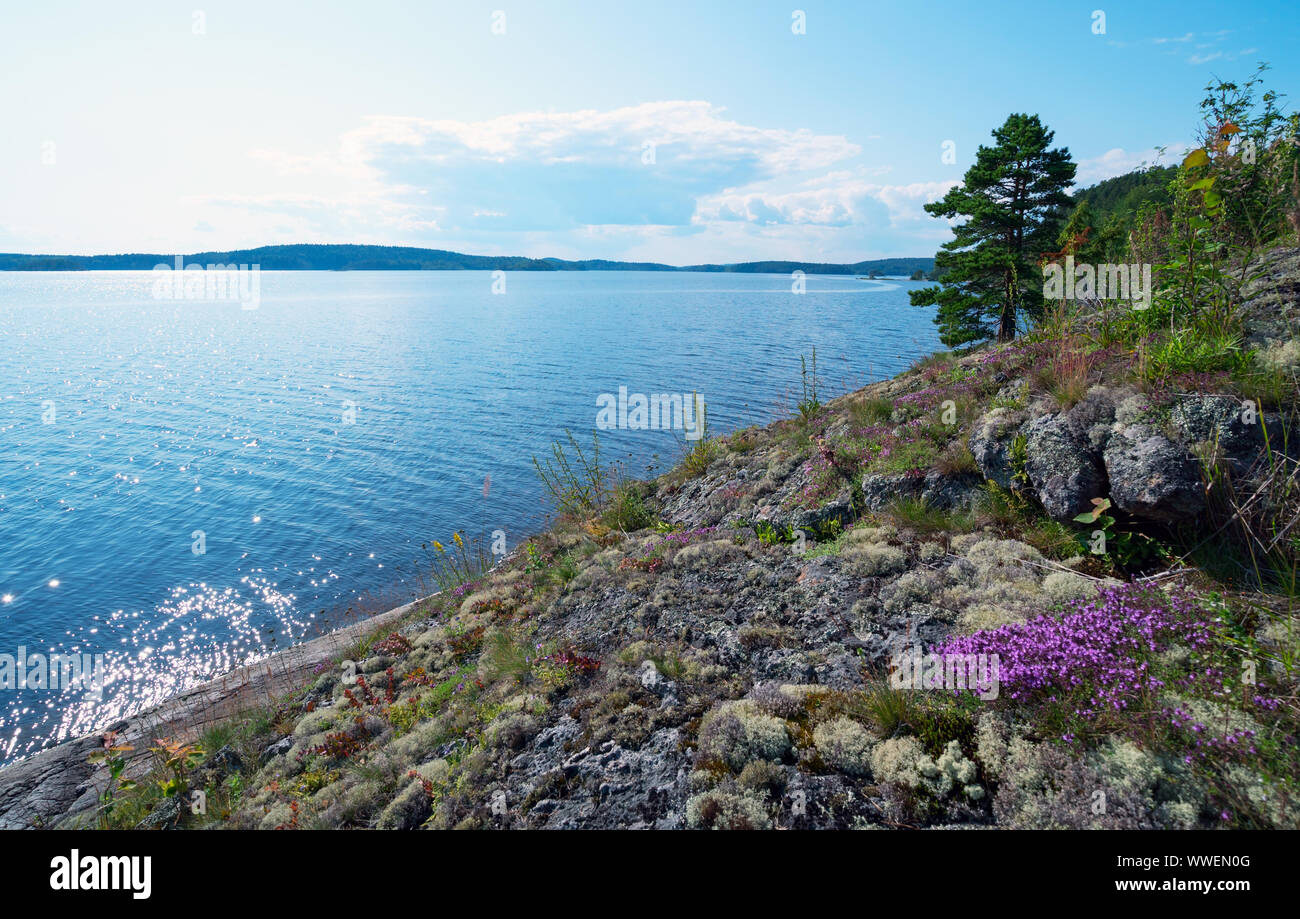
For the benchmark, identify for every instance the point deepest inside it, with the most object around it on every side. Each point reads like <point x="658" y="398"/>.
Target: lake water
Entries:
<point x="188" y="485"/>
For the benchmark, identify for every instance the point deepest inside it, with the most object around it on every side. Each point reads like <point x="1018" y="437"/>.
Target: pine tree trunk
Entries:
<point x="1007" y="318"/>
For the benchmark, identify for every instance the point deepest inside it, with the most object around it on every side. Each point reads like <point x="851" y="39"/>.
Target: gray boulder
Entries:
<point x="1152" y="477"/>
<point x="1062" y="467"/>
<point x="1094" y="416"/>
<point x="1221" y="421"/>
<point x="938" y="490"/>
<point x="1270" y="307"/>
<point x="814" y="519"/>
<point x="990" y="442"/>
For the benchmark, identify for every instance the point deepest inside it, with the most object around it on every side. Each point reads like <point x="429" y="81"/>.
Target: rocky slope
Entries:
<point x="713" y="649"/>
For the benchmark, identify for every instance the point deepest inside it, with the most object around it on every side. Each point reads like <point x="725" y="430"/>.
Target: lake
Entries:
<point x="187" y="485"/>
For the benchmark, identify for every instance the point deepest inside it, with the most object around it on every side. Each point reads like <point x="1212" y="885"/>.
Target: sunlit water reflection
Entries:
<point x="128" y="426"/>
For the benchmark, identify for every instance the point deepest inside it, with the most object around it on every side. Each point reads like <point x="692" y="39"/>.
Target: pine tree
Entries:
<point x="1014" y="199"/>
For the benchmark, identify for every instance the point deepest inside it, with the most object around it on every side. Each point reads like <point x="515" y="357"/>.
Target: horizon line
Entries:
<point x="453" y="252"/>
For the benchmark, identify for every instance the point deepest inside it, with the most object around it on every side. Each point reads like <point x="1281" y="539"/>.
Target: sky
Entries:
<point x="676" y="132"/>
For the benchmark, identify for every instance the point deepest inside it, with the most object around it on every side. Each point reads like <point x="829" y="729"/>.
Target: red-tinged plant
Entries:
<point x="338" y="745"/>
<point x="293" y="822"/>
<point x="394" y="645"/>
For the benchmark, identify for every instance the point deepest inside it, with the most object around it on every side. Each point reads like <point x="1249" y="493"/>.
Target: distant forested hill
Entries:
<point x="1114" y="207"/>
<point x="894" y="266"/>
<point x="1127" y="193"/>
<point x="404" y="258"/>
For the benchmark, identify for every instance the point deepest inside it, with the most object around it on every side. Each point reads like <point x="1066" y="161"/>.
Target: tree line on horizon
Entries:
<point x="344" y="257"/>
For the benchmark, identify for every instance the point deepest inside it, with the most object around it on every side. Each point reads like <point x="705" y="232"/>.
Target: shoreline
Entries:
<point x="59" y="784"/>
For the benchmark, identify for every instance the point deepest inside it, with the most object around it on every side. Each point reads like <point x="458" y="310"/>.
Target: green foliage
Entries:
<point x="508" y="657"/>
<point x="1251" y="156"/>
<point x="827" y="530"/>
<point x="1110" y="210"/>
<point x="465" y="561"/>
<point x="810" y="404"/>
<point x="770" y="535"/>
<point x="870" y="410"/>
<point x="699" y="456"/>
<point x="110" y="755"/>
<point x="1127" y="549"/>
<point x="935" y="719"/>
<point x="176" y="759"/>
<point x="627" y="509"/>
<point x="918" y="514"/>
<point x="1197" y="350"/>
<point x="573" y="477"/>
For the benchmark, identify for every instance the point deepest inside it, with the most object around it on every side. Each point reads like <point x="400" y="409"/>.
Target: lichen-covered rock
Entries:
<point x="939" y="491"/>
<point x="709" y="673"/>
<point x="1221" y="422"/>
<point x="1093" y="416"/>
<point x="840" y="510"/>
<point x="1270" y="307"/>
<point x="1064" y="470"/>
<point x="991" y="440"/>
<point x="1152" y="477"/>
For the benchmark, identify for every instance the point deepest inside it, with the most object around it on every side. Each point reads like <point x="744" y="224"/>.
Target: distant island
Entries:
<point x="306" y="257"/>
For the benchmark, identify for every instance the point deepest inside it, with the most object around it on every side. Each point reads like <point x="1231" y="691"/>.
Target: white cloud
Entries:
<point x="831" y="201"/>
<point x="660" y="170"/>
<point x="696" y="130"/>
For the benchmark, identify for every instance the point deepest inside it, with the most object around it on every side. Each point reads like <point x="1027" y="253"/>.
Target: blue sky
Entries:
<point x="677" y="132"/>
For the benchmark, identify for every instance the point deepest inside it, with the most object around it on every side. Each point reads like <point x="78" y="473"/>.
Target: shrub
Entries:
<point x="573" y="477"/>
<point x="1195" y="350"/>
<point x="627" y="510"/>
<point x="772" y="699"/>
<point x="844" y="745"/>
<point x="723" y="810"/>
<point x="1042" y="787"/>
<point x="737" y="732"/>
<point x="872" y="560"/>
<point x="763" y="776"/>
